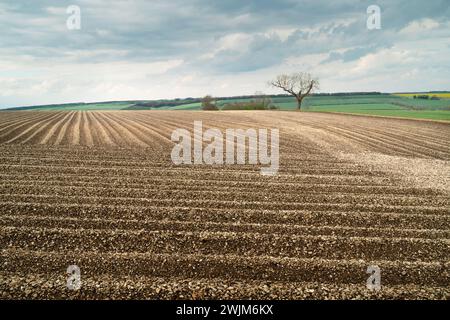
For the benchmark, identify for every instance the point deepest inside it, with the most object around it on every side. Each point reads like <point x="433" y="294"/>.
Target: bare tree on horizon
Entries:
<point x="299" y="84"/>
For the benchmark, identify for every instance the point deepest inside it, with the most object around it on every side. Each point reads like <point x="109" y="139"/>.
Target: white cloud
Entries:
<point x="140" y="49"/>
<point x="419" y="26"/>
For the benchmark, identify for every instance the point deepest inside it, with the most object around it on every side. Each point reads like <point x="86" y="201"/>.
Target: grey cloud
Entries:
<point x="148" y="31"/>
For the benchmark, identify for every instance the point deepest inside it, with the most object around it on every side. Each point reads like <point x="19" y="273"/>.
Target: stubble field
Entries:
<point x="99" y="190"/>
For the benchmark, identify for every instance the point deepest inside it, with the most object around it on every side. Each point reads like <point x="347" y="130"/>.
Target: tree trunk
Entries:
<point x="299" y="104"/>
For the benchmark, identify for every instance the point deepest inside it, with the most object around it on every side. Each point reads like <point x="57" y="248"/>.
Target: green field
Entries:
<point x="189" y="106"/>
<point x="78" y="106"/>
<point x="388" y="105"/>
<point x="386" y="110"/>
<point x="95" y="106"/>
<point x="377" y="105"/>
<point x="444" y="95"/>
<point x="404" y="102"/>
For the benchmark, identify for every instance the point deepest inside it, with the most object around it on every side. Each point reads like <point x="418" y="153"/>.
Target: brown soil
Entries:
<point x="99" y="190"/>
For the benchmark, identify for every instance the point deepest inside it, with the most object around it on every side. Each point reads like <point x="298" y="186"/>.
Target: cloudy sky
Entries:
<point x="136" y="49"/>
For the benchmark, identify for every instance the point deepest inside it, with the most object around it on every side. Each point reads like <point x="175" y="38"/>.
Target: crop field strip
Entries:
<point x="98" y="189"/>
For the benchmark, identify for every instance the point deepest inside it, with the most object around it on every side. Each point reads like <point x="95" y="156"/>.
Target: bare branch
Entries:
<point x="298" y="84"/>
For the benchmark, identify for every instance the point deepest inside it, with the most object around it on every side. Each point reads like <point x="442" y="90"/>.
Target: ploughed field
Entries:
<point x="99" y="190"/>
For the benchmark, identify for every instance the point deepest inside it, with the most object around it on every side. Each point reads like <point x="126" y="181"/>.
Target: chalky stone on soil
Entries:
<point x="99" y="190"/>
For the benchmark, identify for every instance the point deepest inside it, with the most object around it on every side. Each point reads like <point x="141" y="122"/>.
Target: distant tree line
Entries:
<point x="425" y="97"/>
<point x="258" y="101"/>
<point x="163" y="103"/>
<point x="179" y="101"/>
